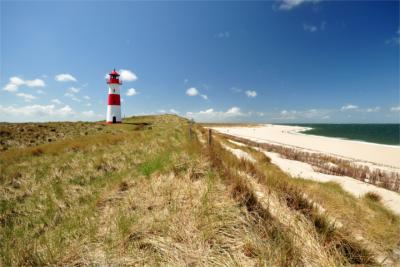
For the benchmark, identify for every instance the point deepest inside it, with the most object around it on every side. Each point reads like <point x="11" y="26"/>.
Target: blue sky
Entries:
<point x="273" y="61"/>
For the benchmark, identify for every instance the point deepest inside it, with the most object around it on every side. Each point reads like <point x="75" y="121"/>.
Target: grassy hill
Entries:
<point x="145" y="192"/>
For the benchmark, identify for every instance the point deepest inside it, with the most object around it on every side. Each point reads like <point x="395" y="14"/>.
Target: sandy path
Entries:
<point x="290" y="136"/>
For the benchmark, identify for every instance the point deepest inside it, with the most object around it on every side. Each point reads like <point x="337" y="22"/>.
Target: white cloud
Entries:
<point x="15" y="82"/>
<point x="40" y="92"/>
<point x="287" y="114"/>
<point x="131" y="92"/>
<point x="35" y="83"/>
<point x="170" y="111"/>
<point x="173" y="111"/>
<point x="309" y="114"/>
<point x="66" y="110"/>
<point x="127" y="75"/>
<point x="309" y="27"/>
<point x="65" y="77"/>
<point x="10" y="87"/>
<point x="213" y="115"/>
<point x="72" y="96"/>
<point x="208" y="111"/>
<point x="73" y="90"/>
<point x="233" y="111"/>
<point x="251" y="93"/>
<point x="349" y="107"/>
<point x="290" y="4"/>
<point x="395" y="109"/>
<point x="36" y="110"/>
<point x="89" y="113"/>
<point x="56" y="101"/>
<point x="313" y="28"/>
<point x="86" y="97"/>
<point x="374" y="109"/>
<point x="192" y="91"/>
<point x="26" y="97"/>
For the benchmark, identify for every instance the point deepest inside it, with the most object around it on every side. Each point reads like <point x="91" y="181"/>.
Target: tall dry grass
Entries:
<point x="367" y="221"/>
<point x="146" y="194"/>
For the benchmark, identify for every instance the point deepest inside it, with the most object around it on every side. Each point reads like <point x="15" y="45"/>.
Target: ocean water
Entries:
<point x="388" y="134"/>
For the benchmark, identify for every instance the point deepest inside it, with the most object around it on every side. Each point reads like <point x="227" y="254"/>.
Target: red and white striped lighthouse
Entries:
<point x="114" y="101"/>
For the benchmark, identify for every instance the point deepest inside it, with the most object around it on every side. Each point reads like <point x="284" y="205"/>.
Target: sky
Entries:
<point x="285" y="61"/>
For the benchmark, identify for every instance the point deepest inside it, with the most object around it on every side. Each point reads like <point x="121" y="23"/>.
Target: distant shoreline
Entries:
<point x="292" y="136"/>
<point x="373" y="133"/>
<point x="304" y="132"/>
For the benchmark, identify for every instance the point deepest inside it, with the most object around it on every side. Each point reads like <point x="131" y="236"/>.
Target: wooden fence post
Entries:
<point x="209" y="137"/>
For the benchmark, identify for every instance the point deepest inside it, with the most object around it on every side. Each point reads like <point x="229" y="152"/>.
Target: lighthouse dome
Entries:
<point x="114" y="73"/>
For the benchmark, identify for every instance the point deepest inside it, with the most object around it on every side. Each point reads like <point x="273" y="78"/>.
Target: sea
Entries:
<point x="388" y="134"/>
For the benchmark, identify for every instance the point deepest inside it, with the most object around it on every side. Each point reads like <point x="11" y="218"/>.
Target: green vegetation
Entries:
<point x="145" y="193"/>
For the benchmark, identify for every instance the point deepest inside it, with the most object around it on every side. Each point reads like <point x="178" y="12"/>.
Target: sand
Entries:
<point x="304" y="170"/>
<point x="379" y="156"/>
<point x="357" y="188"/>
<point x="290" y="136"/>
<point x="240" y="153"/>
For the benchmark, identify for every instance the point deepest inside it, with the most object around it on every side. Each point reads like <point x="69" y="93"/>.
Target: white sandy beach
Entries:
<point x="360" y="152"/>
<point x="290" y="136"/>
<point x="304" y="170"/>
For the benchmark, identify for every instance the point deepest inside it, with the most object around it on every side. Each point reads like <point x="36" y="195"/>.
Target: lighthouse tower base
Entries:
<point x="113" y="114"/>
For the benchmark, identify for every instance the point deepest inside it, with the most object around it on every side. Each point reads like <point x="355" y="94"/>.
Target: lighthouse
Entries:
<point x="114" y="100"/>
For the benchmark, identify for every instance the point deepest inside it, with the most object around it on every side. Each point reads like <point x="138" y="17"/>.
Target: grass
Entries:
<point x="22" y="135"/>
<point x="146" y="193"/>
<point x="366" y="219"/>
<point x="154" y="164"/>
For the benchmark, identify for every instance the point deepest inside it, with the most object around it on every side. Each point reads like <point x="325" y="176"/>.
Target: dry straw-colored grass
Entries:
<point x="368" y="225"/>
<point x="144" y="193"/>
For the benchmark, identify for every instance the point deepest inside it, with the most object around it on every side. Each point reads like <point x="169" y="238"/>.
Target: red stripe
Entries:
<point x="111" y="80"/>
<point x="114" y="99"/>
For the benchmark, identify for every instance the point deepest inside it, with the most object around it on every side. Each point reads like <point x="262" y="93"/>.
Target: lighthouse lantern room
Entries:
<point x="114" y="101"/>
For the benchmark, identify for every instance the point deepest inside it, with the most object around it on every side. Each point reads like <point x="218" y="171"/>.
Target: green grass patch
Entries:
<point x="157" y="163"/>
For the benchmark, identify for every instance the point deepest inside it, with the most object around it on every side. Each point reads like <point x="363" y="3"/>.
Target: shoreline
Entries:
<point x="379" y="155"/>
<point x="304" y="129"/>
<point x="346" y="139"/>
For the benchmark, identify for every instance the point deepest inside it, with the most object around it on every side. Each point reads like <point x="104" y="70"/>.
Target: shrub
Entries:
<point x="373" y="196"/>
